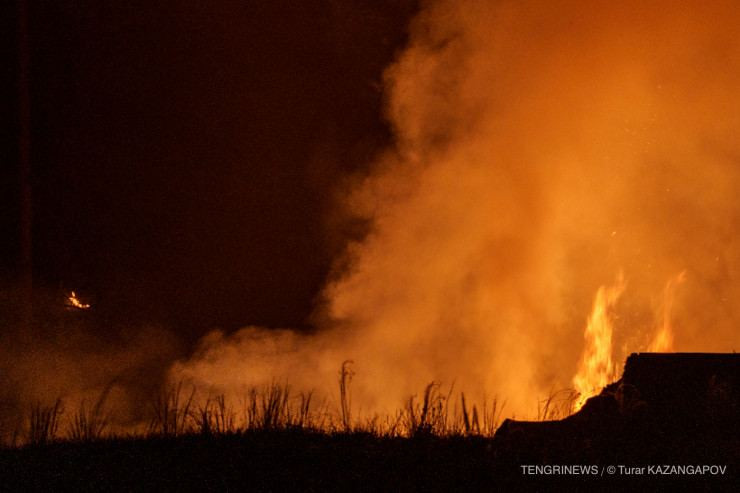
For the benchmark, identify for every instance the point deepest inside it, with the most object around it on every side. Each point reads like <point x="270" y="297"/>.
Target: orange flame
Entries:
<point x="596" y="369"/>
<point x="663" y="340"/>
<point x="74" y="301"/>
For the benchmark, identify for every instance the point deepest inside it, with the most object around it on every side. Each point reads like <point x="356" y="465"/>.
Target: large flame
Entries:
<point x="596" y="368"/>
<point x="663" y="340"/>
<point x="597" y="365"/>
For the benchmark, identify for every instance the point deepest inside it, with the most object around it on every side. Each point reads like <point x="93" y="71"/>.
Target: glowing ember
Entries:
<point x="663" y="340"/>
<point x="74" y="302"/>
<point x="596" y="369"/>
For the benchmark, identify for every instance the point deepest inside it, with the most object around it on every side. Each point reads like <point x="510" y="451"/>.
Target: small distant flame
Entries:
<point x="74" y="302"/>
<point x="663" y="340"/>
<point x="596" y="369"/>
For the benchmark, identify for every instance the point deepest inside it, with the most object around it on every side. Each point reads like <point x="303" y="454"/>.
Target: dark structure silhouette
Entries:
<point x="666" y="407"/>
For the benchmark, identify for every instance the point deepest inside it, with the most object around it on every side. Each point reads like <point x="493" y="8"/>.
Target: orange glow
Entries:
<point x="539" y="147"/>
<point x="663" y="340"/>
<point x="597" y="366"/>
<point x="74" y="302"/>
<point x="596" y="369"/>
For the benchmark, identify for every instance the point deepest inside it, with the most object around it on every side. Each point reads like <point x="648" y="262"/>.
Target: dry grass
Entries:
<point x="485" y="422"/>
<point x="215" y="417"/>
<point x="429" y="416"/>
<point x="90" y="423"/>
<point x="171" y="412"/>
<point x="43" y="422"/>
<point x="177" y="410"/>
<point x="557" y="405"/>
<point x="345" y="399"/>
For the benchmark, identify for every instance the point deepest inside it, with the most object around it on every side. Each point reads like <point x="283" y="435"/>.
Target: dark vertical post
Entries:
<point x="24" y="163"/>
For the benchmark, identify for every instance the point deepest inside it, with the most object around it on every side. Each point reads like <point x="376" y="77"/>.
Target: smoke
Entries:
<point x="540" y="149"/>
<point x="61" y="357"/>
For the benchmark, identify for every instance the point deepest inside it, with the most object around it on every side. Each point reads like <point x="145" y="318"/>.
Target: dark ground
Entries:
<point x="678" y="409"/>
<point x="303" y="461"/>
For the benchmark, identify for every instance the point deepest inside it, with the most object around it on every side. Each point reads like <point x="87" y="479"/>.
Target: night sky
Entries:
<point x="187" y="156"/>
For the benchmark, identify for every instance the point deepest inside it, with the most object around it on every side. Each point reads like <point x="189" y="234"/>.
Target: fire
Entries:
<point x="525" y="163"/>
<point x="596" y="368"/>
<point x="663" y="340"/>
<point x="74" y="302"/>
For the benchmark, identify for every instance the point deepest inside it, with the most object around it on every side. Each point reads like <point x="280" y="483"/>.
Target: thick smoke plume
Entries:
<point x="541" y="149"/>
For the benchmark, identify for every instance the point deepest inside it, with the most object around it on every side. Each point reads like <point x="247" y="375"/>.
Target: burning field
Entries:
<point x="559" y="190"/>
<point x="553" y="163"/>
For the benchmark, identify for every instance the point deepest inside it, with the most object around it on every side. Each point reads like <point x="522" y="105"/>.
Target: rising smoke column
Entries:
<point x="541" y="147"/>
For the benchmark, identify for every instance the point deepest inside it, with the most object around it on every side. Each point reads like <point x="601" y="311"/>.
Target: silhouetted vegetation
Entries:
<point x="275" y="439"/>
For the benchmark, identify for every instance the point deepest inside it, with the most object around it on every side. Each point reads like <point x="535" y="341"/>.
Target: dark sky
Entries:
<point x="185" y="154"/>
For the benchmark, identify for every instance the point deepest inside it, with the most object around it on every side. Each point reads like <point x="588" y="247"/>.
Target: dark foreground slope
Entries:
<point x="275" y="460"/>
<point x="299" y="461"/>
<point x="672" y="418"/>
<point x="668" y="409"/>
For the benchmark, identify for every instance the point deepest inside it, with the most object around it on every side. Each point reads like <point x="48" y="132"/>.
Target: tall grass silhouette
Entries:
<point x="181" y="409"/>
